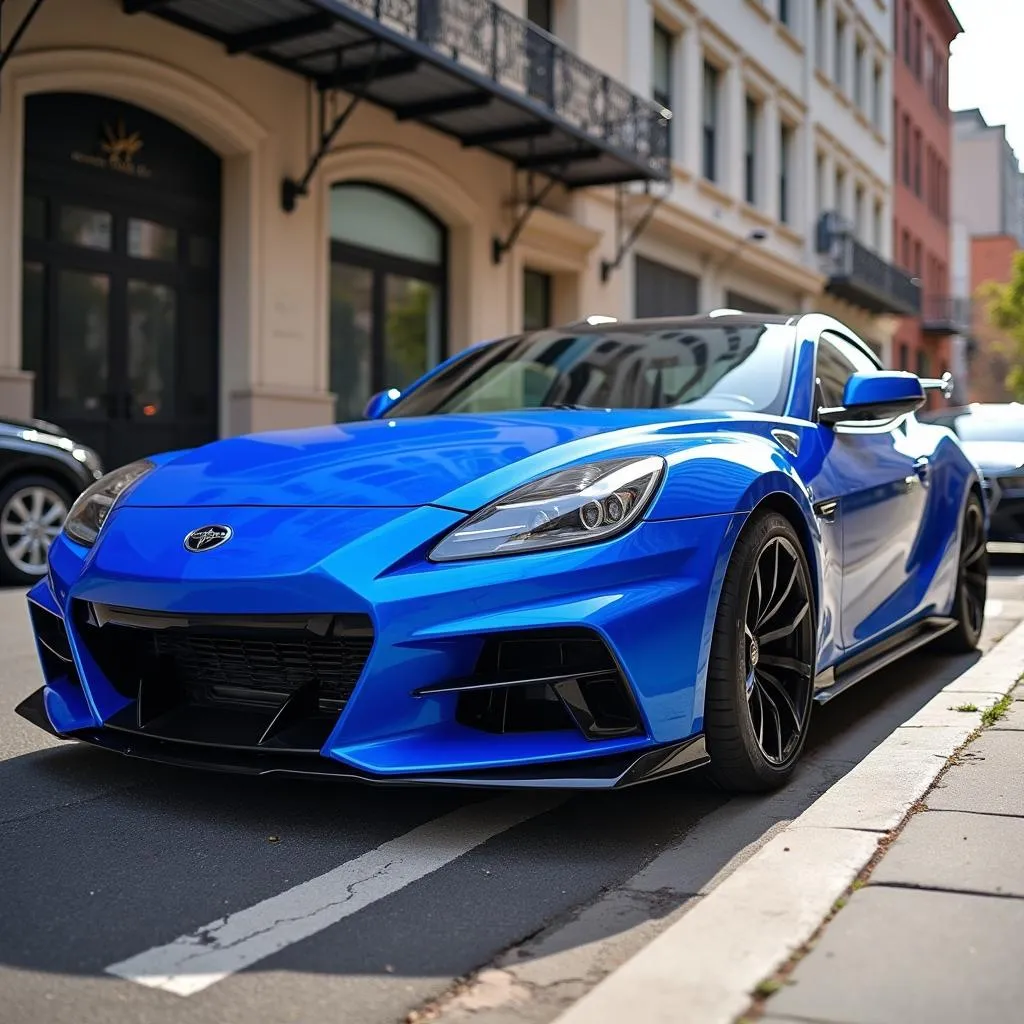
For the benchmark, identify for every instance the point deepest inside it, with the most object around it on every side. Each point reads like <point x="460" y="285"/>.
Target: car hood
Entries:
<point x="995" y="456"/>
<point x="401" y="462"/>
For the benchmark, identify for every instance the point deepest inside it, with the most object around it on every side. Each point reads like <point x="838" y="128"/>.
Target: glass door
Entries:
<point x="120" y="326"/>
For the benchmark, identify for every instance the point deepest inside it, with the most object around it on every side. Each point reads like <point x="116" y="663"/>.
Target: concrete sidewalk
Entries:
<point x="934" y="932"/>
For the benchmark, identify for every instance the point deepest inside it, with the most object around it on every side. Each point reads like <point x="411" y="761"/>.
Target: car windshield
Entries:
<point x="729" y="367"/>
<point x="991" y="426"/>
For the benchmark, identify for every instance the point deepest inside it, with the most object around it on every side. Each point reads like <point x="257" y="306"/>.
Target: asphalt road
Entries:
<point x="154" y="895"/>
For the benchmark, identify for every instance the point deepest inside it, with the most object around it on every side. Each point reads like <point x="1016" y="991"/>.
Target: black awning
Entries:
<point x="468" y="68"/>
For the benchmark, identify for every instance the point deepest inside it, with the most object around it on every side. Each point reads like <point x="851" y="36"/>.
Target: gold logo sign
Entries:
<point x="118" y="150"/>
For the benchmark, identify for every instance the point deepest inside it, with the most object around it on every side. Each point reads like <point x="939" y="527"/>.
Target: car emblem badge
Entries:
<point x="206" y="538"/>
<point x="755" y="653"/>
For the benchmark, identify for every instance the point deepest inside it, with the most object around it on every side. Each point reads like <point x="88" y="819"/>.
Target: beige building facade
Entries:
<point x="161" y="285"/>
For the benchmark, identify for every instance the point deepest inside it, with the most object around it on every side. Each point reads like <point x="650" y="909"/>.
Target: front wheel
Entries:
<point x="971" y="583"/>
<point x="761" y="669"/>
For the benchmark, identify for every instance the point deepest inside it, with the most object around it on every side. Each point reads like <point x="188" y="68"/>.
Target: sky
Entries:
<point x="986" y="66"/>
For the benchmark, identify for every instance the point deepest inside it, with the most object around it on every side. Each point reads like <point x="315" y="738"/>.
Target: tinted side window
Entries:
<point x="833" y="370"/>
<point x="837" y="360"/>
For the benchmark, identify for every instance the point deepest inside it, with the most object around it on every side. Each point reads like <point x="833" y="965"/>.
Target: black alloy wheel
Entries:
<point x="971" y="582"/>
<point x="761" y="672"/>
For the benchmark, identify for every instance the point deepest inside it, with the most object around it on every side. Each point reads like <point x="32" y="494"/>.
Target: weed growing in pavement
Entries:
<point x="965" y="707"/>
<point x="768" y="987"/>
<point x="998" y="710"/>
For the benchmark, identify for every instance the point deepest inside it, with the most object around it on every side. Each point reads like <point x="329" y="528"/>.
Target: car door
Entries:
<point x="874" y="481"/>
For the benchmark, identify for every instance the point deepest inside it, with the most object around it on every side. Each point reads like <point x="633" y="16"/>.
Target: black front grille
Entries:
<point x="259" y="663"/>
<point x="259" y="669"/>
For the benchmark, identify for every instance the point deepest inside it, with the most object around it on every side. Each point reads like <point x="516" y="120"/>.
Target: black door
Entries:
<point x="121" y="276"/>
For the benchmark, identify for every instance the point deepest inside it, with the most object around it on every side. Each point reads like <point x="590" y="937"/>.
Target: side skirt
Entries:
<point x="833" y="681"/>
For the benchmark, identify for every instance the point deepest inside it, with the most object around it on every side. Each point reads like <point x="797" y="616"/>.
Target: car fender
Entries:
<point x="740" y="476"/>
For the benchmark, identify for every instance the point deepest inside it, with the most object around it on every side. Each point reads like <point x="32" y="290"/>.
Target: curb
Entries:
<point x="705" y="967"/>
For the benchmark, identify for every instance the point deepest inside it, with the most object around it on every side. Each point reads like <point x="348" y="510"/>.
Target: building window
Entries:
<point x="907" y="41"/>
<point x="661" y="290"/>
<point x="786" y="13"/>
<point x="820" y="35"/>
<point x="917" y="48"/>
<point x="917" y="162"/>
<point x="752" y="119"/>
<point x="785" y="170"/>
<point x="839" y="56"/>
<point x="877" y="92"/>
<point x="541" y="13"/>
<point x="941" y="94"/>
<point x="860" y="227"/>
<point x="907" y="254"/>
<point x="876" y="235"/>
<point x="905" y="148"/>
<point x="661" y="87"/>
<point x="710" y="123"/>
<point x="917" y="260"/>
<point x="387" y="293"/>
<point x="819" y="182"/>
<point x="840" y="194"/>
<point x="540" y="52"/>
<point x="929" y="67"/>
<point x="858" y="75"/>
<point x="538" y="288"/>
<point x="904" y="356"/>
<point x="923" y="363"/>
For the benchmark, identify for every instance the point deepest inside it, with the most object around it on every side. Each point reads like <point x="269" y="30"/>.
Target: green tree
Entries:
<point x="1006" y="313"/>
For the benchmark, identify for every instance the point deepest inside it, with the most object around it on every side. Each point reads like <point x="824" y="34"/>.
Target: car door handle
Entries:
<point x="922" y="468"/>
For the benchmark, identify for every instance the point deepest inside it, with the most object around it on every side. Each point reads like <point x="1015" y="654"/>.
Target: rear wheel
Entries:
<point x="761" y="668"/>
<point x="971" y="583"/>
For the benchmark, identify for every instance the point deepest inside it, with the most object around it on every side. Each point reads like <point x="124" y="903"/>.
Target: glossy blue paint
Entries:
<point x="340" y="519"/>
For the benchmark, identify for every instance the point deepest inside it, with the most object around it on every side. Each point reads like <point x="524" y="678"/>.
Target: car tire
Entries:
<point x="760" y="682"/>
<point x="971" y="583"/>
<point x="29" y="500"/>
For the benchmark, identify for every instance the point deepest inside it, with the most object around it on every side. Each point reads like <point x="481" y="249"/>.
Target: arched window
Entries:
<point x="388" y="293"/>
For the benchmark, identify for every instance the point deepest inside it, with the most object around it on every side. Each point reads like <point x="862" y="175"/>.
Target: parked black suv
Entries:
<point x="992" y="435"/>
<point x="42" y="471"/>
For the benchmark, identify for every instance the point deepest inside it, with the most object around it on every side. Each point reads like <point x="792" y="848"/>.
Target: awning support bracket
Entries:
<point x="292" y="190"/>
<point x="533" y="200"/>
<point x="624" y="244"/>
<point x="22" y="27"/>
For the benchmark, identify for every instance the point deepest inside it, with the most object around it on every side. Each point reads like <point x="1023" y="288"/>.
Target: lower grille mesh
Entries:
<point x="258" y="662"/>
<point x="262" y="670"/>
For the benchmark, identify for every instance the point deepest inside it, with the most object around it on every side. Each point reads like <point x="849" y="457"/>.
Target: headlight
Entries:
<point x="90" y="511"/>
<point x="574" y="506"/>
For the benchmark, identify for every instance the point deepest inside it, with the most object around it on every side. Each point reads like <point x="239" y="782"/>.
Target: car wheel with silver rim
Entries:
<point x="32" y="511"/>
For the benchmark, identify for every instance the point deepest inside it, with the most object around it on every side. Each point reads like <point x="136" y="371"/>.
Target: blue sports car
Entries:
<point x="584" y="557"/>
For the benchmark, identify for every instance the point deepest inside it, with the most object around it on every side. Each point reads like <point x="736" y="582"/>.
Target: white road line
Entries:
<point x="195" y="961"/>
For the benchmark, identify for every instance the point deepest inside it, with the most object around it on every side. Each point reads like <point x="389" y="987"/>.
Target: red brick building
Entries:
<point x="922" y="158"/>
<point x="991" y="262"/>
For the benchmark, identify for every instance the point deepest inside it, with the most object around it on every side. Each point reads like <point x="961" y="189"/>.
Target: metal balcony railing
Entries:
<point x="483" y="37"/>
<point x="946" y="314"/>
<point x="859" y="275"/>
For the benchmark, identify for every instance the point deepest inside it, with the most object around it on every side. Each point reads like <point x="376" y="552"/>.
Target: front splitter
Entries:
<point x="616" y="772"/>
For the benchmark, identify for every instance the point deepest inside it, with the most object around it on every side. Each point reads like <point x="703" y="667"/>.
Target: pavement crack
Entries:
<point x="208" y="938"/>
<point x="952" y="890"/>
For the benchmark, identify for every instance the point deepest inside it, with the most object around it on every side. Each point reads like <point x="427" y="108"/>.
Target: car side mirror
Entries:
<point x="876" y="396"/>
<point x="380" y="403"/>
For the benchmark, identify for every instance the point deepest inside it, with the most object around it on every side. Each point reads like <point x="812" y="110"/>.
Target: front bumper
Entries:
<point x="646" y="598"/>
<point x="1005" y="499"/>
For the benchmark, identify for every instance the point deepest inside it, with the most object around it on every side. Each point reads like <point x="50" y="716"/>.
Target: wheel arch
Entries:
<point x="43" y="469"/>
<point x="780" y="493"/>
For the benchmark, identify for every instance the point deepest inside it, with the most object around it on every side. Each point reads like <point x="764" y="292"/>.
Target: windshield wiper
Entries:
<point x="565" y="405"/>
